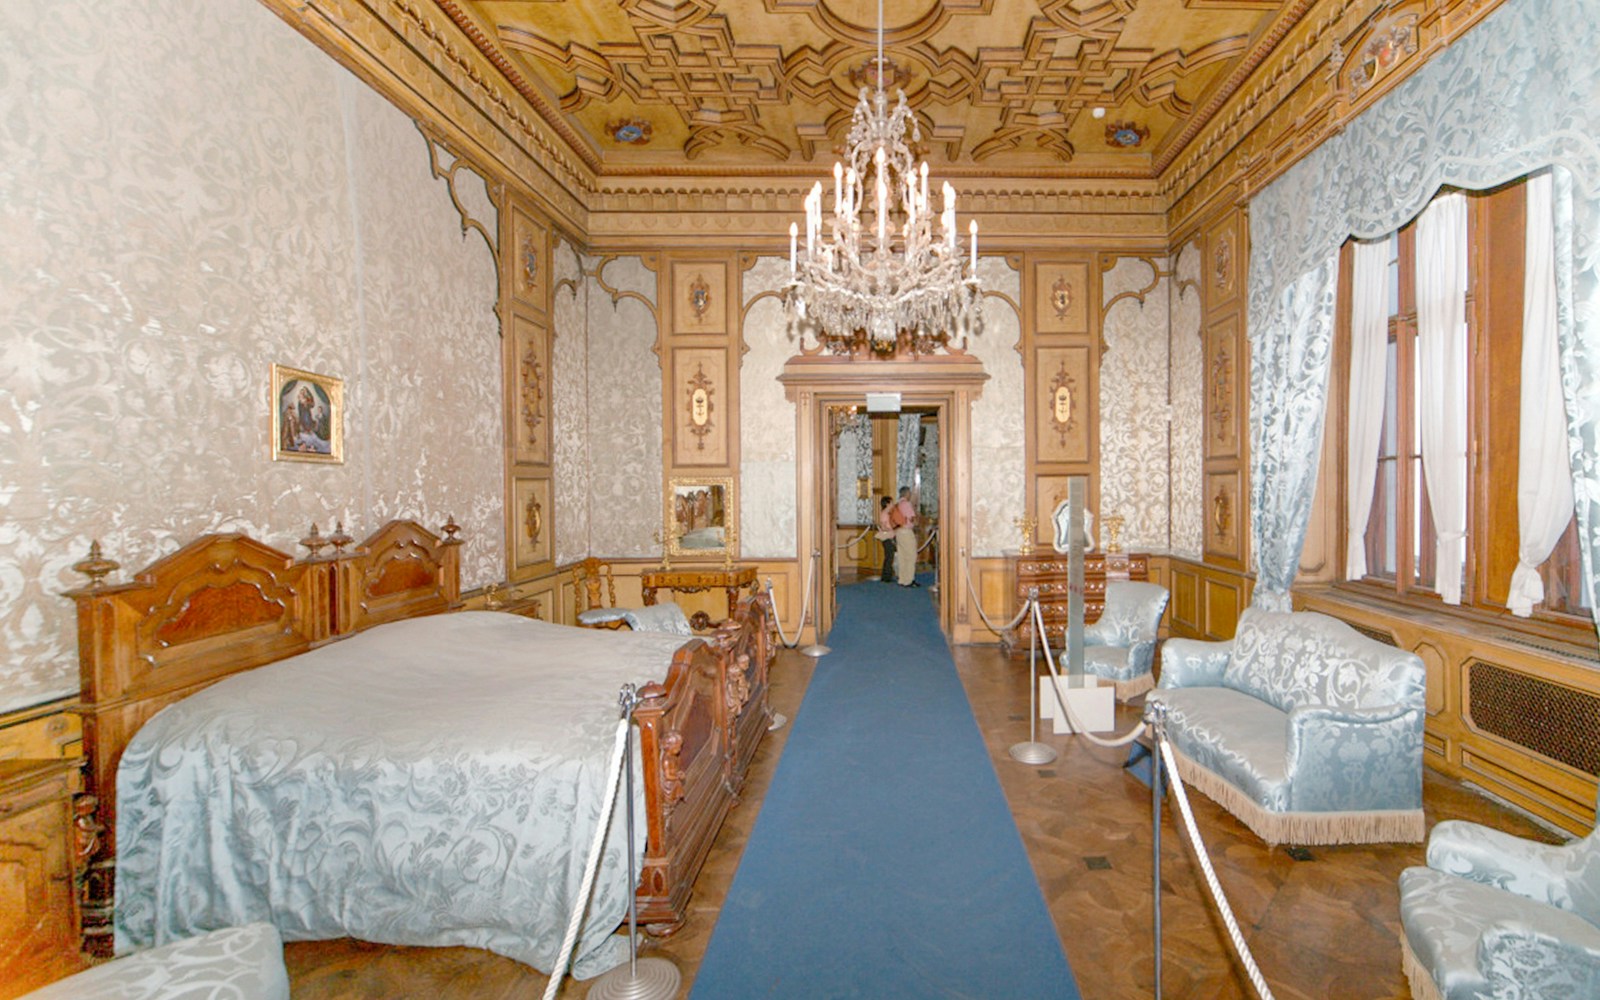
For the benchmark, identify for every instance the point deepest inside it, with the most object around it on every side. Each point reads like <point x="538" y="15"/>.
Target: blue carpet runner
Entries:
<point x="885" y="863"/>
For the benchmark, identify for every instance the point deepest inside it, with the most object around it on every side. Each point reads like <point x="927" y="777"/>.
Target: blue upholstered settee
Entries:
<point x="1305" y="729"/>
<point x="1492" y="915"/>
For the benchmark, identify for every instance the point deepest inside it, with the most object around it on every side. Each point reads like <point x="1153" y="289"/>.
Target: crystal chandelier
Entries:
<point x="888" y="275"/>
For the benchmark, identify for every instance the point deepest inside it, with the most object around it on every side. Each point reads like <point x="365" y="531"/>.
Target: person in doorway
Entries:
<point x="886" y="536"/>
<point x="904" y="518"/>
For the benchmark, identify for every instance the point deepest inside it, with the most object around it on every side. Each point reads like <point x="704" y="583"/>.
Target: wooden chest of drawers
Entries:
<point x="1047" y="571"/>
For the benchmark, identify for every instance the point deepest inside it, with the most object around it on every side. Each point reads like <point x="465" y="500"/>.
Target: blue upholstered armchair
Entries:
<point x="1121" y="645"/>
<point x="1492" y="915"/>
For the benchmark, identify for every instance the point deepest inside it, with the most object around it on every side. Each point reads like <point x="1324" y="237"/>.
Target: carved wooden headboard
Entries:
<point x="227" y="603"/>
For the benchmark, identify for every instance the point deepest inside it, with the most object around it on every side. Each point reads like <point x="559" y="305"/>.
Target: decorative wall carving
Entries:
<point x="1222" y="389"/>
<point x="531" y="550"/>
<point x="531" y="394"/>
<point x="1056" y="368"/>
<point x="1061" y="302"/>
<point x="699" y="297"/>
<point x="699" y="406"/>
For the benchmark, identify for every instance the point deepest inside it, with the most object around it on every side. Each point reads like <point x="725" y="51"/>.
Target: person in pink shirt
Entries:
<point x="886" y="536"/>
<point x="904" y="518"/>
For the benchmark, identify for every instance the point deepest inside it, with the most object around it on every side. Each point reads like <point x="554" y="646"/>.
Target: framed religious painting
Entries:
<point x="307" y="416"/>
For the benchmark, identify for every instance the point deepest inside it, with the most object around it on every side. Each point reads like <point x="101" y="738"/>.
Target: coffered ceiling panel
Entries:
<point x="1004" y="86"/>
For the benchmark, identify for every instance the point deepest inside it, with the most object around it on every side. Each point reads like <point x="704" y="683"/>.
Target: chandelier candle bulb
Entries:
<point x="794" y="236"/>
<point x="972" y="227"/>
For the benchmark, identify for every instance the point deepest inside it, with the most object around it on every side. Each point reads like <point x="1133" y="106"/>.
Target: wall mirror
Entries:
<point x="702" y="516"/>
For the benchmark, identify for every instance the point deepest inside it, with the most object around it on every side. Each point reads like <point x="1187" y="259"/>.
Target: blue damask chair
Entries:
<point x="1121" y="644"/>
<point x="1493" y="915"/>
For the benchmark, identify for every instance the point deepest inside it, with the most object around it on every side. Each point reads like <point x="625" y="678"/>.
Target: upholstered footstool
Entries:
<point x="235" y="963"/>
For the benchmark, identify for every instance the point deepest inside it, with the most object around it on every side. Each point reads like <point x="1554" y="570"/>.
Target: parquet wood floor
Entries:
<point x="1319" y="928"/>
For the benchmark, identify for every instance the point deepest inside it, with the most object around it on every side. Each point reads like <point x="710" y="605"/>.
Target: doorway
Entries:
<point x="943" y="387"/>
<point x="875" y="455"/>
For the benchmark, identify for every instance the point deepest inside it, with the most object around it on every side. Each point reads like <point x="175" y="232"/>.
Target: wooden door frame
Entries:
<point x="947" y="383"/>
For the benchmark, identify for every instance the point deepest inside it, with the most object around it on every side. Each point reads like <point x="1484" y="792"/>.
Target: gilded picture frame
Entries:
<point x="307" y="416"/>
<point x="700" y="516"/>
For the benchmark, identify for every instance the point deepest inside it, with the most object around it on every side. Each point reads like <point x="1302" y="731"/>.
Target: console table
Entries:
<point x="693" y="579"/>
<point x="1047" y="571"/>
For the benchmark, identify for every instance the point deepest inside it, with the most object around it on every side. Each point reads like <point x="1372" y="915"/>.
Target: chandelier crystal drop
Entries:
<point x="888" y="274"/>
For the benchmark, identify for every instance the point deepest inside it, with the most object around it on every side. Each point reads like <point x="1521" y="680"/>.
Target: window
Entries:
<point x="1400" y="539"/>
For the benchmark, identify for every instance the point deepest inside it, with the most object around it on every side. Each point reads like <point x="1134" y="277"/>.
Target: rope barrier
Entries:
<point x="592" y="865"/>
<point x="931" y="536"/>
<point x="1066" y="707"/>
<point x="856" y="539"/>
<point x="805" y="606"/>
<point x="966" y="572"/>
<point x="1234" y="934"/>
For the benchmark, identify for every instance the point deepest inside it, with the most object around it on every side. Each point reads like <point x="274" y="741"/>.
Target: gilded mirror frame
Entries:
<point x="694" y="508"/>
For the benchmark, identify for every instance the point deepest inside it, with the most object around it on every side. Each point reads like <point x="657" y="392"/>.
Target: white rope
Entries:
<point x="966" y="572"/>
<point x="931" y="536"/>
<point x="1066" y="707"/>
<point x="592" y="865"/>
<point x="856" y="539"/>
<point x="805" y="607"/>
<point x="1256" y="979"/>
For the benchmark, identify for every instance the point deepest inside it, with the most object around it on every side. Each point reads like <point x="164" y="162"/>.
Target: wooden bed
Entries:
<point x="226" y="603"/>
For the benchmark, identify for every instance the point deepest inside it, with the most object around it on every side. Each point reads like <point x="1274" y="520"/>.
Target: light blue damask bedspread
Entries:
<point x="428" y="782"/>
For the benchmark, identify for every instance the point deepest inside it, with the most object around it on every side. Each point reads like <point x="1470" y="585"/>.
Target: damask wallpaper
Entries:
<point x="1133" y="402"/>
<point x="180" y="209"/>
<point x="1188" y="406"/>
<point x="998" y="495"/>
<point x="624" y="411"/>
<point x="766" y="419"/>
<point x="569" y="402"/>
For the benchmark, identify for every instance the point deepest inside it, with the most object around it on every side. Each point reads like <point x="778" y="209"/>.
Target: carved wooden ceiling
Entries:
<point x="1008" y="87"/>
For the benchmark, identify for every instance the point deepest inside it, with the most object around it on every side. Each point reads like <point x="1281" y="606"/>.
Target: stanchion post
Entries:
<point x="816" y="649"/>
<point x="1033" y="752"/>
<point x="1155" y="715"/>
<point x="653" y="978"/>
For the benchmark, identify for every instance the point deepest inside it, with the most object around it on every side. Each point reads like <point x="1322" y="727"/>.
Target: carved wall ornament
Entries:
<point x="1061" y="297"/>
<point x="1221" y="516"/>
<point x="700" y="406"/>
<point x="699" y="297"/>
<point x="1126" y="135"/>
<point x="529" y="273"/>
<point x="1063" y="402"/>
<point x="532" y="391"/>
<point x="1221" y="392"/>
<point x="1387" y="48"/>
<point x="533" y="520"/>
<point x="1222" y="264"/>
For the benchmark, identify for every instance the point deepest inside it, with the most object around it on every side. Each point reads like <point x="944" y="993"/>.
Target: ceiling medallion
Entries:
<point x="1126" y="135"/>
<point x="630" y="131"/>
<point x="889" y="281"/>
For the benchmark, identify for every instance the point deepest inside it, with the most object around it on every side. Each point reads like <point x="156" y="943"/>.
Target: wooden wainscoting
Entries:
<point x="1206" y="599"/>
<point x="1508" y="711"/>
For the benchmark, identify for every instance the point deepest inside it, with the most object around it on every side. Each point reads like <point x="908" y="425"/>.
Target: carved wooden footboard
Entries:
<point x="698" y="732"/>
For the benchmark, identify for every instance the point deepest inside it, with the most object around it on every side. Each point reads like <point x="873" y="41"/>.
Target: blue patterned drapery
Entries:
<point x="907" y="450"/>
<point x="1516" y="94"/>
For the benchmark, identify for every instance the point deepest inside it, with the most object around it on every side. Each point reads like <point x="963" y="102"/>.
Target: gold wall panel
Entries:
<point x="699" y="298"/>
<point x="1064" y="393"/>
<point x="701" y="406"/>
<point x="1185" y="600"/>
<point x="528" y="378"/>
<point x="527" y="260"/>
<point x="532" y="525"/>
<point x="1061" y="297"/>
<point x="1222" y="388"/>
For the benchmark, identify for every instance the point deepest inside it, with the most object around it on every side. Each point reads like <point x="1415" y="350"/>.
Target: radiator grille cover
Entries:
<point x="1552" y="720"/>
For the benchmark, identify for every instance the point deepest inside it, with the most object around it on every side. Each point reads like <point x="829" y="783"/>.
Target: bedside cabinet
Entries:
<point x="39" y="940"/>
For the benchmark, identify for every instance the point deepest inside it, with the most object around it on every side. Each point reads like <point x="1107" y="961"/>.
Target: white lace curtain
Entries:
<point x="1442" y="381"/>
<point x="1369" y="356"/>
<point x="1544" y="475"/>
